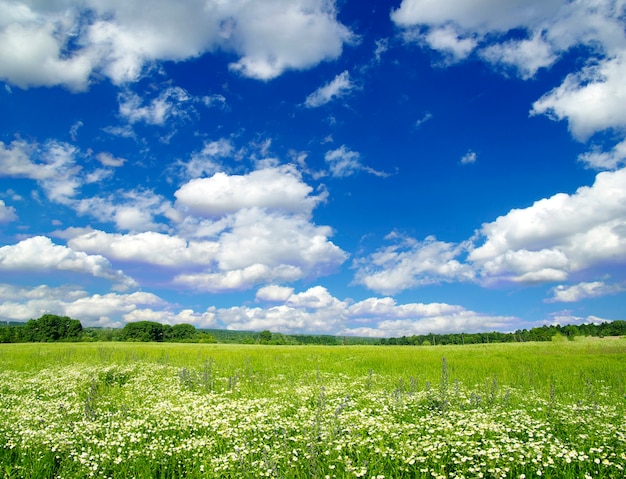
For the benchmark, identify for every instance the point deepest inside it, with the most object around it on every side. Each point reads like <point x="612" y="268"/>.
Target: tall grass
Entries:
<point x="166" y="410"/>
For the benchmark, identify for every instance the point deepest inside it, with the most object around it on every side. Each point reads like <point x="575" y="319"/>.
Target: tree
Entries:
<point x="145" y="331"/>
<point x="265" y="336"/>
<point x="51" y="327"/>
<point x="182" y="332"/>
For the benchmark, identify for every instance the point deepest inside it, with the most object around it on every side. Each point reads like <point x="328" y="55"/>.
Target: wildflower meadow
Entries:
<point x="120" y="410"/>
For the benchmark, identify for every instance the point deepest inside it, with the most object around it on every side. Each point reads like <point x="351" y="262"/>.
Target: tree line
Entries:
<point x="543" y="333"/>
<point x="52" y="328"/>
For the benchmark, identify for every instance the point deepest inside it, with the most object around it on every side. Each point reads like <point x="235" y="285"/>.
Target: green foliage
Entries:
<point x="182" y="332"/>
<point x="54" y="328"/>
<point x="143" y="331"/>
<point x="544" y="333"/>
<point x="51" y="327"/>
<point x="150" y="331"/>
<point x="265" y="337"/>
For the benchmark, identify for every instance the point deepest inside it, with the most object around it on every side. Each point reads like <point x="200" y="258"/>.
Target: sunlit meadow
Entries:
<point x="552" y="410"/>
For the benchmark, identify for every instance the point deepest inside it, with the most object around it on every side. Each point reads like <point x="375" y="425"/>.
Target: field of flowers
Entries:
<point x="119" y="410"/>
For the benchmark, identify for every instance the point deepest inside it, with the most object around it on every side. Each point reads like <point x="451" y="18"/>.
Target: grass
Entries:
<point x="173" y="410"/>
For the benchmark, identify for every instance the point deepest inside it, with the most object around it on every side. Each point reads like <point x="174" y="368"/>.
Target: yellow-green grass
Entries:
<point x="171" y="410"/>
<point x="568" y="365"/>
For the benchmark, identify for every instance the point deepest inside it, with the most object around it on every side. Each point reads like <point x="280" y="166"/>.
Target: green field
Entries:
<point x="515" y="410"/>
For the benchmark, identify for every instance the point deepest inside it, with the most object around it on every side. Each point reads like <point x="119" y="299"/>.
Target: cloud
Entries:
<point x="173" y="102"/>
<point x="275" y="239"/>
<point x="600" y="160"/>
<point x="234" y="232"/>
<point x="7" y="213"/>
<point x="426" y="117"/>
<point x="267" y="247"/>
<point x="457" y="28"/>
<point x="207" y="161"/>
<point x="74" y="129"/>
<point x="464" y="320"/>
<point x="558" y="235"/>
<point x="279" y="189"/>
<point x="61" y="44"/>
<point x="24" y="303"/>
<point x="99" y="307"/>
<point x="546" y="242"/>
<point x="32" y="54"/>
<point x="274" y="36"/>
<point x="313" y="311"/>
<point x="524" y="266"/>
<point x="107" y="159"/>
<point x="449" y="42"/>
<point x="40" y="254"/>
<point x="563" y="318"/>
<point x="590" y="100"/>
<point x="99" y="310"/>
<point x="550" y="28"/>
<point x="475" y="15"/>
<point x="131" y="210"/>
<point x="580" y="291"/>
<point x="527" y="56"/>
<point x="316" y="311"/>
<point x="387" y="308"/>
<point x="409" y="263"/>
<point x="147" y="247"/>
<point x="382" y="45"/>
<point x="257" y="231"/>
<point x="343" y="162"/>
<point x="340" y="86"/>
<point x="469" y="158"/>
<point x="274" y="293"/>
<point x="52" y="165"/>
<point x="239" y="279"/>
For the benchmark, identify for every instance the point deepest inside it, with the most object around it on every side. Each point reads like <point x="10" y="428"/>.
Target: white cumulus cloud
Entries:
<point x="148" y="247"/>
<point x="527" y="56"/>
<point x="279" y="189"/>
<point x="545" y="242"/>
<point x="60" y="43"/>
<point x="477" y="15"/>
<point x="316" y="311"/>
<point x="590" y="100"/>
<point x="264" y="247"/>
<point x="449" y="42"/>
<point x="130" y="210"/>
<point x="274" y="293"/>
<point x="409" y="263"/>
<point x="578" y="292"/>
<point x="605" y="160"/>
<point x="557" y="235"/>
<point x="40" y="254"/>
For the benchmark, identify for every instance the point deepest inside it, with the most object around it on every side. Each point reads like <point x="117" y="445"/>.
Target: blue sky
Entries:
<point x="310" y="166"/>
